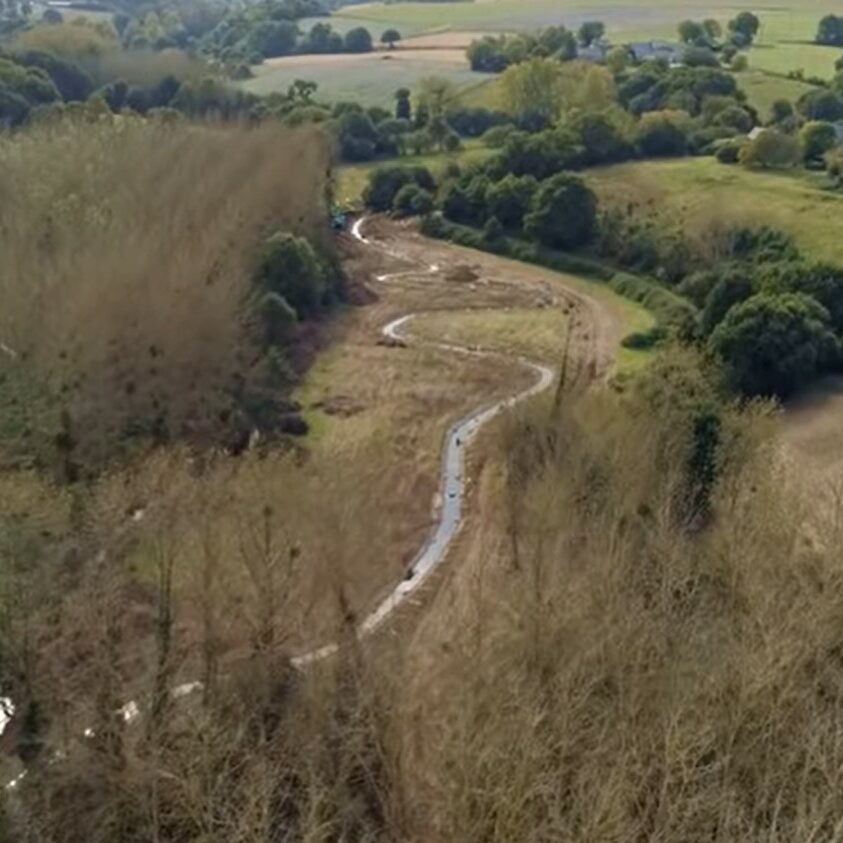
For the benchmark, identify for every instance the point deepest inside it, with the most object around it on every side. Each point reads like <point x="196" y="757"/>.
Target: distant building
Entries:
<point x="642" y="51"/>
<point x="596" y="52"/>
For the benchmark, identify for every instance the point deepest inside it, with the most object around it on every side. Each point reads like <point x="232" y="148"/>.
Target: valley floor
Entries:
<point x="381" y="411"/>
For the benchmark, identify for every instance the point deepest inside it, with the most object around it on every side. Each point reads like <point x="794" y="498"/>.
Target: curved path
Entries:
<point x="449" y="518"/>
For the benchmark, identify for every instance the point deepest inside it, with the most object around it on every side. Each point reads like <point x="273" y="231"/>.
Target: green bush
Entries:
<point x="771" y="345"/>
<point x="733" y="287"/>
<point x="645" y="340"/>
<point x="729" y="152"/>
<point x="465" y="201"/>
<point x="818" y="137"/>
<point x="771" y="149"/>
<point x="412" y="200"/>
<point x="385" y="182"/>
<point x="358" y="40"/>
<point x="563" y="213"/>
<point x="510" y="199"/>
<point x="290" y="268"/>
<point x="668" y="308"/>
<point x="662" y="133"/>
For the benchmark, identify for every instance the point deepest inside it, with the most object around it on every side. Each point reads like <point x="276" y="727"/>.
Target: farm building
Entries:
<point x="595" y="52"/>
<point x="641" y="51"/>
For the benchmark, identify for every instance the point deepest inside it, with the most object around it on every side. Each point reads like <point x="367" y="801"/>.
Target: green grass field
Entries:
<point x="619" y="15"/>
<point x="351" y="179"/>
<point x="763" y="90"/>
<point x="704" y="189"/>
<point x="782" y="19"/>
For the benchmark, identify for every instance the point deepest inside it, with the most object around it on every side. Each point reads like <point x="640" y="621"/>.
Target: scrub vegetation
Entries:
<point x="219" y="460"/>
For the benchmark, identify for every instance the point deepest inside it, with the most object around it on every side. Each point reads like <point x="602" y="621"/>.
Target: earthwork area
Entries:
<point x="475" y="300"/>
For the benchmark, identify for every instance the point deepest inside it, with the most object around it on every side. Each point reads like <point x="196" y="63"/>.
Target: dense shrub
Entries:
<point x="358" y="40"/>
<point x="498" y="136"/>
<point x="464" y="201"/>
<point x="830" y="31"/>
<point x="733" y="286"/>
<point x="774" y="344"/>
<point x="474" y="122"/>
<point x="385" y="182"/>
<point x="509" y="199"/>
<point x="669" y="309"/>
<point x="662" y="134"/>
<point x="654" y="88"/>
<point x="22" y="89"/>
<point x="358" y="137"/>
<point x="495" y="53"/>
<point x="290" y="268"/>
<point x="602" y="137"/>
<point x="435" y="225"/>
<point x="771" y="149"/>
<point x="72" y="83"/>
<point x="540" y="155"/>
<point x="817" y="138"/>
<point x="729" y="152"/>
<point x="493" y="231"/>
<point x="821" y="281"/>
<point x="821" y="104"/>
<point x="563" y="213"/>
<point x="412" y="200"/>
<point x="763" y="244"/>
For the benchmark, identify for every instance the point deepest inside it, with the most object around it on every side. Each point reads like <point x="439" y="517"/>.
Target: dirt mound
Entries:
<point x="463" y="274"/>
<point x="340" y="405"/>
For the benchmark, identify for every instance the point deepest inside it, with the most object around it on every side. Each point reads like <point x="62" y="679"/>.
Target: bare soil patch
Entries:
<point x="442" y="40"/>
<point x="382" y="57"/>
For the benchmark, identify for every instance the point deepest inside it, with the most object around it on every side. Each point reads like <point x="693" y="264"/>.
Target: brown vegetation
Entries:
<point x="125" y="273"/>
<point x="600" y="668"/>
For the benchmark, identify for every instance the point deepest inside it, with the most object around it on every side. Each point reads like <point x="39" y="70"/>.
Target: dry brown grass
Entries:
<point x="127" y="249"/>
<point x="620" y="678"/>
<point x="596" y="668"/>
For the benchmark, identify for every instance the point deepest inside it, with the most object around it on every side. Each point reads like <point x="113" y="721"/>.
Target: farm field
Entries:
<point x="784" y="57"/>
<point x="619" y="15"/>
<point x="762" y="90"/>
<point x="436" y="34"/>
<point x="781" y="19"/>
<point x="702" y="187"/>
<point x="367" y="78"/>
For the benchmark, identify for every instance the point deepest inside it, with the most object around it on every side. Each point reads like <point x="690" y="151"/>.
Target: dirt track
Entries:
<point x="597" y="328"/>
<point x="414" y="275"/>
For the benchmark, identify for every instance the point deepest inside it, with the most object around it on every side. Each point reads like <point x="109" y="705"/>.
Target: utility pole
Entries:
<point x="566" y="354"/>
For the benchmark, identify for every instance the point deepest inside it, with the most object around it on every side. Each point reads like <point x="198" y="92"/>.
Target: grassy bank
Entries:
<point x="691" y="189"/>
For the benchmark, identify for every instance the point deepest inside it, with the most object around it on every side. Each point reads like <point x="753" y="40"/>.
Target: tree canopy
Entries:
<point x="563" y="214"/>
<point x="771" y="344"/>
